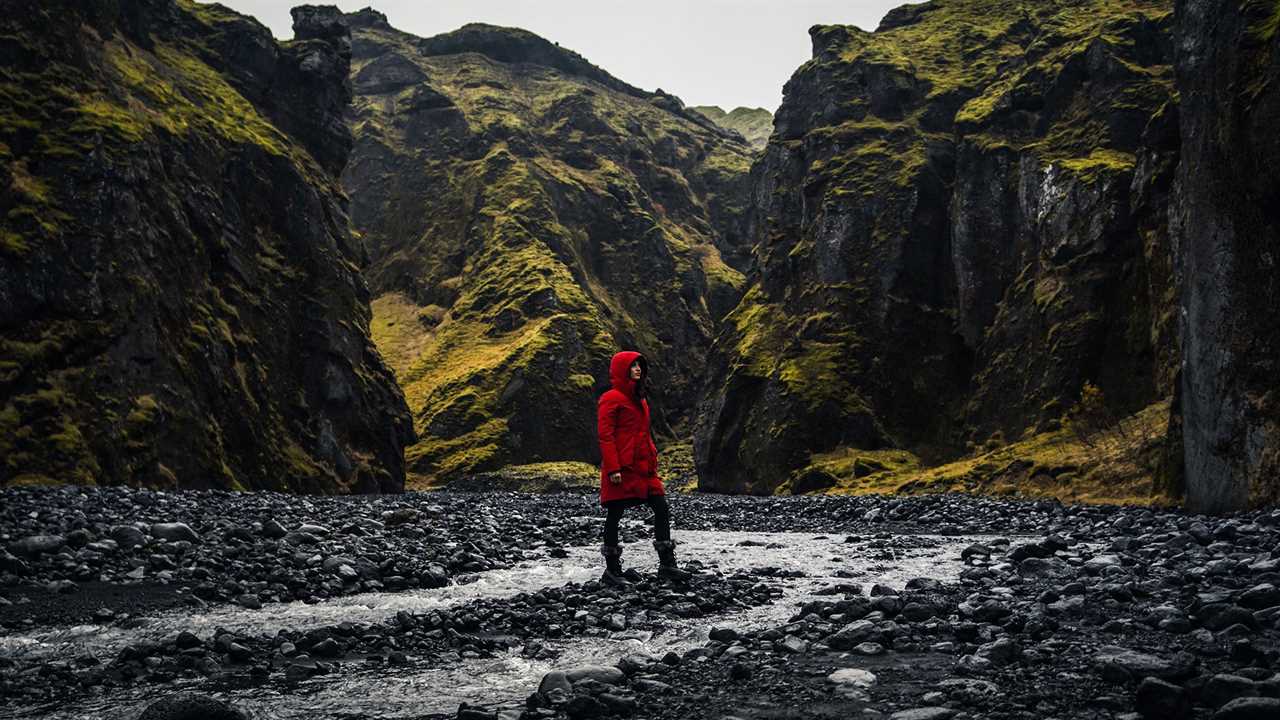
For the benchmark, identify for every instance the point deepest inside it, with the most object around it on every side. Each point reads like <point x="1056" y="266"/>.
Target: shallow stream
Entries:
<point x="408" y="692"/>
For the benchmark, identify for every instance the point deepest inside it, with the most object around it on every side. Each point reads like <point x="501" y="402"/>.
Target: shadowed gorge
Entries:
<point x="180" y="295"/>
<point x="527" y="215"/>
<point x="963" y="362"/>
<point x="989" y="247"/>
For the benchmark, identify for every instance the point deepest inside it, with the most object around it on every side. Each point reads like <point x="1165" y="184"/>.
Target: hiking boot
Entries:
<point x="613" y="575"/>
<point x="667" y="562"/>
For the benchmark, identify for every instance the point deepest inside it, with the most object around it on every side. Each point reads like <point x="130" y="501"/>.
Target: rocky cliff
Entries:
<point x="527" y="216"/>
<point x="957" y="224"/>
<point x="755" y="125"/>
<point x="180" y="295"/>
<point x="1226" y="222"/>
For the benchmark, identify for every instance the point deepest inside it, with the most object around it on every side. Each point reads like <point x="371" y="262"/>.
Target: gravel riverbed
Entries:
<point x="129" y="604"/>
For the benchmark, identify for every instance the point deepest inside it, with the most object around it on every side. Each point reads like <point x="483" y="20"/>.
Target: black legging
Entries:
<point x="661" y="517"/>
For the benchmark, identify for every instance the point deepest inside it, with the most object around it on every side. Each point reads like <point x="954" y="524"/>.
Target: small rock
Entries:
<point x="273" y="529"/>
<point x="174" y="532"/>
<point x="1250" y="708"/>
<point x="555" y="682"/>
<point x="855" y="677"/>
<point x="190" y="706"/>
<point x="724" y="635"/>
<point x="471" y="712"/>
<point x="599" y="673"/>
<point x="36" y="545"/>
<point x="924" y="713"/>
<point x="1160" y="700"/>
<point x="1223" y="688"/>
<point x="128" y="536"/>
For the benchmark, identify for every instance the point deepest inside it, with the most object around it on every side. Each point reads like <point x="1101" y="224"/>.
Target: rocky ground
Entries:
<point x="1066" y="612"/>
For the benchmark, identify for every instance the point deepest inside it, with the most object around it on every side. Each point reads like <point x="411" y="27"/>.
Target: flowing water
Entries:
<point x="408" y="692"/>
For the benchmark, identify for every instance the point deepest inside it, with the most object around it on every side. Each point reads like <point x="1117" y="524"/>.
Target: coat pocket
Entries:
<point x="627" y="454"/>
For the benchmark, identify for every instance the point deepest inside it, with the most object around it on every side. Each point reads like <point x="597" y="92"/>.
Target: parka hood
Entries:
<point x="618" y="367"/>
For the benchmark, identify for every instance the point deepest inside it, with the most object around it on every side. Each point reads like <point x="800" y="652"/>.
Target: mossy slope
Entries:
<point x="959" y="224"/>
<point x="755" y="125"/>
<point x="528" y="215"/>
<point x="180" y="297"/>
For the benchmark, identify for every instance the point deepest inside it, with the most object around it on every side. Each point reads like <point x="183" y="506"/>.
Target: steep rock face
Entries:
<point x="180" y="296"/>
<point x="956" y="224"/>
<point x="755" y="125"/>
<point x="1227" y="233"/>
<point x="528" y="215"/>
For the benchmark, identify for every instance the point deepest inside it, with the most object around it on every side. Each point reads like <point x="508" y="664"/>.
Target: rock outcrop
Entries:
<point x="180" y="294"/>
<point x="1226" y="221"/>
<point x="957" y="223"/>
<point x="528" y="215"/>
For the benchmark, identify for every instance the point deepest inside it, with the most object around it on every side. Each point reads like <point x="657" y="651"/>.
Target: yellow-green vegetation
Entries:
<point x="542" y="477"/>
<point x="1116" y="464"/>
<point x="754" y="124"/>
<point x="192" y="309"/>
<point x="401" y="330"/>
<point x="986" y="57"/>
<point x="1266" y="29"/>
<point x="545" y="218"/>
<point x="886" y="309"/>
<point x="130" y="94"/>
<point x="772" y="343"/>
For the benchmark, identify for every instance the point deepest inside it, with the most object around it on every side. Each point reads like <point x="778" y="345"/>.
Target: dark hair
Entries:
<point x="642" y="385"/>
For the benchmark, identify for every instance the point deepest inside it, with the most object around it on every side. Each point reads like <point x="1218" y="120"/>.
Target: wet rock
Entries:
<point x="975" y="552"/>
<point x="174" y="531"/>
<point x="12" y="564"/>
<point x="1118" y="664"/>
<point x="128" y="536"/>
<point x="471" y="712"/>
<point x="1223" y="688"/>
<point x="1230" y="615"/>
<point x="1263" y="595"/>
<point x="970" y="690"/>
<point x="618" y="704"/>
<point x="189" y="706"/>
<point x="924" y="713"/>
<point x="855" y="677"/>
<point x="187" y="640"/>
<point x="1160" y="700"/>
<point x="273" y="529"/>
<point x="400" y="516"/>
<point x="555" y="687"/>
<point x="1000" y="652"/>
<point x="585" y="706"/>
<point x="599" y="673"/>
<point x="724" y="635"/>
<point x="301" y="667"/>
<point x="37" y="545"/>
<point x="1250" y="708"/>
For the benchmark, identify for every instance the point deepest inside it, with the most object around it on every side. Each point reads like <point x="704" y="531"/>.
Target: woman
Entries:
<point x="629" y="468"/>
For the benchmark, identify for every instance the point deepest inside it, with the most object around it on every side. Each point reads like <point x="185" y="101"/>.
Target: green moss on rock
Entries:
<point x="544" y="215"/>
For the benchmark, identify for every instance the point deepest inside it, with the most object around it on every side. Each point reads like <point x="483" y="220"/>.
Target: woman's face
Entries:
<point x="635" y="370"/>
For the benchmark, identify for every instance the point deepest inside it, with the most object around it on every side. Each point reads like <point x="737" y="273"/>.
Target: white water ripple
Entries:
<point x="403" y="693"/>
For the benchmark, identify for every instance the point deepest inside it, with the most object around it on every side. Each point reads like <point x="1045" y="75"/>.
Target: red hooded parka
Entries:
<point x="622" y="423"/>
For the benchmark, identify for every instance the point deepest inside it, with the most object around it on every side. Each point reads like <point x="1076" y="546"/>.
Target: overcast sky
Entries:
<point x="708" y="52"/>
